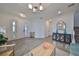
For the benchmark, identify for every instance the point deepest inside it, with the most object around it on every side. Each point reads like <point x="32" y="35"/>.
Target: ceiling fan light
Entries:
<point x="30" y="6"/>
<point x="41" y="7"/>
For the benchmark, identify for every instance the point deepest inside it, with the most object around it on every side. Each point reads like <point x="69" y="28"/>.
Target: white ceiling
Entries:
<point x="50" y="9"/>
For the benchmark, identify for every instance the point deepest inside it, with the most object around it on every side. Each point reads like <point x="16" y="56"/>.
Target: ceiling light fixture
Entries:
<point x="59" y="12"/>
<point x="40" y="7"/>
<point x="30" y="6"/>
<point x="35" y="8"/>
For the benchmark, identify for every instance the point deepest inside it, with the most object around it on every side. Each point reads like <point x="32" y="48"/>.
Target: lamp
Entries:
<point x="35" y="8"/>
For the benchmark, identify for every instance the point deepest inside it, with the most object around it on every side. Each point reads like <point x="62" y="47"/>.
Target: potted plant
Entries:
<point x="3" y="39"/>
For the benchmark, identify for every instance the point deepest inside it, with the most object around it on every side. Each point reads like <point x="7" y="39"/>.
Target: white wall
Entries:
<point x="5" y="21"/>
<point x="35" y="24"/>
<point x="42" y="29"/>
<point x="39" y="29"/>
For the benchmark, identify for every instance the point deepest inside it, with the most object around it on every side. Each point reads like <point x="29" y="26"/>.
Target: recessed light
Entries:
<point x="59" y="12"/>
<point x="22" y="15"/>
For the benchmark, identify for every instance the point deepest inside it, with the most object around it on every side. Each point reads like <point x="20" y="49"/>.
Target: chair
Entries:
<point x="7" y="52"/>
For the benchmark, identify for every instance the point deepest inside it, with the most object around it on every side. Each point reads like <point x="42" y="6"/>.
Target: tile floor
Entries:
<point x="25" y="45"/>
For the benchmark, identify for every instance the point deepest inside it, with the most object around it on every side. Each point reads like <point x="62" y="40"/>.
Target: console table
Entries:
<point x="61" y="37"/>
<point x="61" y="34"/>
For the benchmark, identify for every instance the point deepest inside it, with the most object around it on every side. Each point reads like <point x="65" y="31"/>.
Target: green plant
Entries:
<point x="3" y="39"/>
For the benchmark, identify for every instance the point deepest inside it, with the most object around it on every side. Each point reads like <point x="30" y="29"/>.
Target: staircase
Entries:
<point x="76" y="34"/>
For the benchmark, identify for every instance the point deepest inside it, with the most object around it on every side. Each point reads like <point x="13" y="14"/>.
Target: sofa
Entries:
<point x="74" y="49"/>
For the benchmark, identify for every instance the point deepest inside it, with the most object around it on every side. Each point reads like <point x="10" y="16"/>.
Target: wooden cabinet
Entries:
<point x="64" y="38"/>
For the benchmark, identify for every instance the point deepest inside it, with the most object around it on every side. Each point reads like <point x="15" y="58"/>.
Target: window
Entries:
<point x="2" y="30"/>
<point x="25" y="30"/>
<point x="14" y="28"/>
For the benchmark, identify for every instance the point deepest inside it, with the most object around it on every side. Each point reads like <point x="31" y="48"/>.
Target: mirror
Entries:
<point x="61" y="27"/>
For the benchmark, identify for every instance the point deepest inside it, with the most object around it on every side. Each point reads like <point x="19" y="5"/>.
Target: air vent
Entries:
<point x="70" y="5"/>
